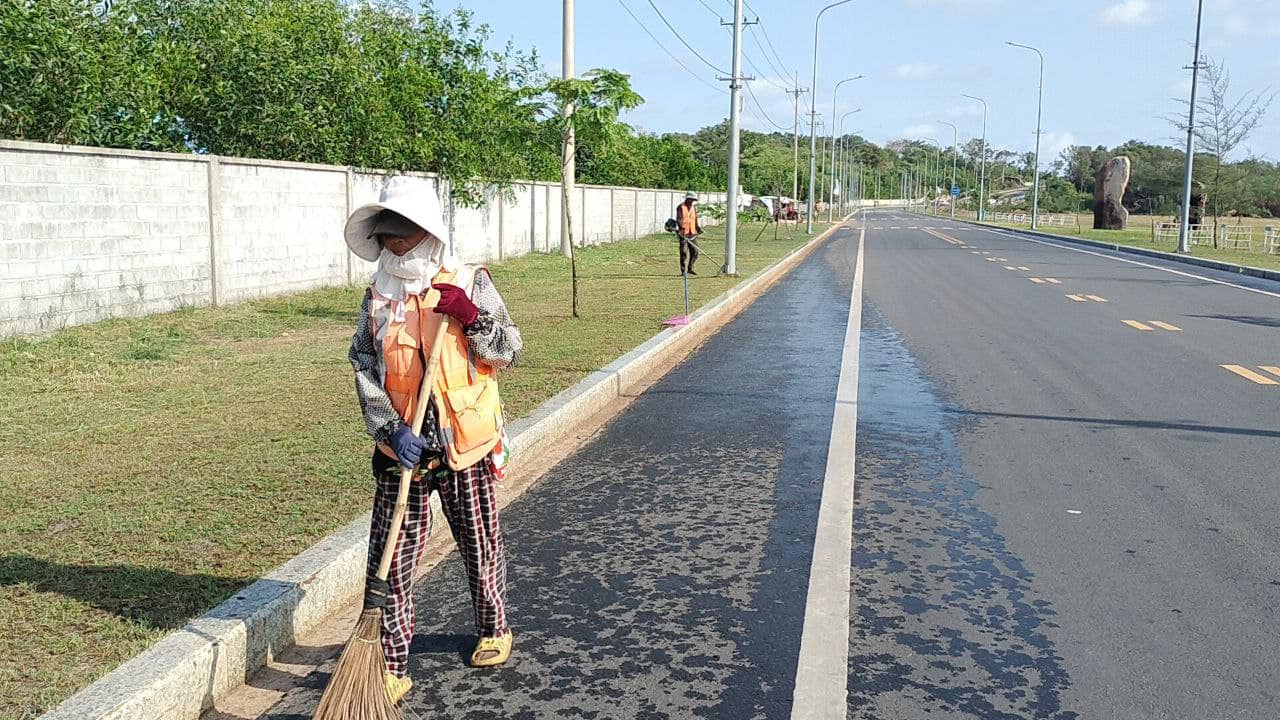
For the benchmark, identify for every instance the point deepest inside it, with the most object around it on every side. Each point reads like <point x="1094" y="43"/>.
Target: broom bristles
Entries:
<point x="357" y="689"/>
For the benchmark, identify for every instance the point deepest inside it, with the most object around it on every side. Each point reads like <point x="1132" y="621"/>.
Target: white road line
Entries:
<point x="1133" y="262"/>
<point x="822" y="673"/>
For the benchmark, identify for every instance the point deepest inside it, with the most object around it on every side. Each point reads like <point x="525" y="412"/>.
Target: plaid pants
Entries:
<point x="470" y="503"/>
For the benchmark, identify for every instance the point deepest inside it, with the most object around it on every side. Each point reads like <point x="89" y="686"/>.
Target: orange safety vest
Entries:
<point x="465" y="389"/>
<point x="689" y="220"/>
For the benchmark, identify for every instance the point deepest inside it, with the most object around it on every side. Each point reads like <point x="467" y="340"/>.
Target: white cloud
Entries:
<point x="1262" y="23"/>
<point x="1129" y="13"/>
<point x="915" y="132"/>
<point x="1052" y="144"/>
<point x="970" y="109"/>
<point x="915" y="71"/>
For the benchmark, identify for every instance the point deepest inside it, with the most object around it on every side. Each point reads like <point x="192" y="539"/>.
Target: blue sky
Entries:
<point x="1112" y="66"/>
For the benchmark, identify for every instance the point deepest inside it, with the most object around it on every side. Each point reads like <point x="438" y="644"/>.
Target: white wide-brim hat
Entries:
<point x="411" y="197"/>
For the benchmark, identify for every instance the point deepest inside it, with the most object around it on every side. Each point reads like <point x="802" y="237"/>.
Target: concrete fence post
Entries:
<point x="351" y="270"/>
<point x="215" y="231"/>
<point x="502" y="227"/>
<point x="635" y="214"/>
<point x="613" y="206"/>
<point x="533" y="217"/>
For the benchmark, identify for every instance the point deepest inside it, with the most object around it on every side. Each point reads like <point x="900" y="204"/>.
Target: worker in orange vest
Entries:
<point x="688" y="229"/>
<point x="418" y="283"/>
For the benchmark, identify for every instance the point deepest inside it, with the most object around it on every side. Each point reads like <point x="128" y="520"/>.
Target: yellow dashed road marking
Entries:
<point x="1166" y="326"/>
<point x="1136" y="325"/>
<point x="1095" y="298"/>
<point x="1248" y="374"/>
<point x="1055" y="281"/>
<point x="1038" y="281"/>
<point x="1024" y="267"/>
<point x="990" y="259"/>
<point x="1010" y="267"/>
<point x="1271" y="369"/>
<point x="1077" y="298"/>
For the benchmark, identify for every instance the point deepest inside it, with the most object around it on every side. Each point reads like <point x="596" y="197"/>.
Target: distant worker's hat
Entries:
<point x="691" y="196"/>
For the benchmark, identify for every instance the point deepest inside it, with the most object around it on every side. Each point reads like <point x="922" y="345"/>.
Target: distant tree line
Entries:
<point x="386" y="85"/>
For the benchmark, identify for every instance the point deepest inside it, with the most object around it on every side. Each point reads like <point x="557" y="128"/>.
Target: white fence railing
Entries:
<point x="1236" y="237"/>
<point x="1271" y="240"/>
<point x="1196" y="234"/>
<point x="1045" y="219"/>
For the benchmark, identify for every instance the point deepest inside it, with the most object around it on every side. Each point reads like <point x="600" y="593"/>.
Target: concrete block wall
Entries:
<point x="87" y="237"/>
<point x="277" y="228"/>
<point x="92" y="233"/>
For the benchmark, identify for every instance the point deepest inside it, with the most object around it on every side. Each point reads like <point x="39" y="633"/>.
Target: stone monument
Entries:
<point x="1108" y="195"/>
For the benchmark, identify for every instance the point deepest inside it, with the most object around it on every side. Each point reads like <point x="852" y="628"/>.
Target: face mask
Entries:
<point x="400" y="276"/>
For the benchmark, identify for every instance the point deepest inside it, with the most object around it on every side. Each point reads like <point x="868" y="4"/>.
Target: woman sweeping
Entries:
<point x="419" y="284"/>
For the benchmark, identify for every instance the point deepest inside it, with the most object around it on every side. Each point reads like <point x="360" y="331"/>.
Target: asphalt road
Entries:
<point x="1058" y="513"/>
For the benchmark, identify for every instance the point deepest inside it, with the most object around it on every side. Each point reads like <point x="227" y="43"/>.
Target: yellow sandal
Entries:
<point x="493" y="651"/>
<point x="397" y="686"/>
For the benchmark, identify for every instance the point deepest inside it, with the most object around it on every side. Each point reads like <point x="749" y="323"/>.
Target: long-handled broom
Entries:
<point x="357" y="689"/>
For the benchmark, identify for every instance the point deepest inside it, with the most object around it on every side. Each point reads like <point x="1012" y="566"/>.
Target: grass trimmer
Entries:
<point x="357" y="689"/>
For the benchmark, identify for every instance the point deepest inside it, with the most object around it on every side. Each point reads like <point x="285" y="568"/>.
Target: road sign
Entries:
<point x="955" y="191"/>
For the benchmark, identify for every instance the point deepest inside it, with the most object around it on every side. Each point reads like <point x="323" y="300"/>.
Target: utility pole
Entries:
<point x="569" y="152"/>
<point x="813" y="116"/>
<point x="795" y="141"/>
<point x="735" y="144"/>
<point x="982" y="184"/>
<point x="1184" y="227"/>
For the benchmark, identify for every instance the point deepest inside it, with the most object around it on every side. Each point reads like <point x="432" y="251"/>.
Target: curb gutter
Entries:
<point x="192" y="668"/>
<point x="1248" y="270"/>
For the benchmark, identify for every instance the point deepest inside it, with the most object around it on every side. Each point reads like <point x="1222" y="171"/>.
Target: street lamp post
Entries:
<point x="955" y="151"/>
<point x="834" y="166"/>
<point x="813" y="115"/>
<point x="1035" y="190"/>
<point x="1184" y="227"/>
<point x="834" y="96"/>
<point x="982" y="183"/>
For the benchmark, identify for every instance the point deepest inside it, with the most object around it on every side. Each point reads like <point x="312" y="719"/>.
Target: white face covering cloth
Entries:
<point x="400" y="276"/>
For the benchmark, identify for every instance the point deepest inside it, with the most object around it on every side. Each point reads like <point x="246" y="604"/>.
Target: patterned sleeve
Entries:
<point x="380" y="418"/>
<point x="494" y="336"/>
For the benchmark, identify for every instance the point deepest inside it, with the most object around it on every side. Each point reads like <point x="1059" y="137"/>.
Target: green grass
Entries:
<point x="1139" y="235"/>
<point x="154" y="466"/>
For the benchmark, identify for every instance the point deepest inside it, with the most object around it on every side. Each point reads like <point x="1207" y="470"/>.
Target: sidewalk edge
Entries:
<point x="188" y="671"/>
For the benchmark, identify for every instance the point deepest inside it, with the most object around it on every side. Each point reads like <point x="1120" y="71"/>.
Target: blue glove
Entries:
<point x="408" y="447"/>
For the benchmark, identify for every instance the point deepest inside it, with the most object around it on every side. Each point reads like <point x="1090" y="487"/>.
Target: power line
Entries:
<point x="760" y="107"/>
<point x="763" y="75"/>
<point x="767" y="59"/>
<point x="682" y="40"/>
<point x="672" y="55"/>
<point x="704" y="4"/>
<point x="767" y="39"/>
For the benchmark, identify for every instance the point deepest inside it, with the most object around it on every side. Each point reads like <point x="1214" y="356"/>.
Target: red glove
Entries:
<point x="454" y="302"/>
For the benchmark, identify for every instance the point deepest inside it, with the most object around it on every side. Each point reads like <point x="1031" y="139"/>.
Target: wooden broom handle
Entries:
<point x="406" y="474"/>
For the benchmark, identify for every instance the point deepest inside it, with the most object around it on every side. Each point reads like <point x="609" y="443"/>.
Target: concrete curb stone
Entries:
<point x="189" y="670"/>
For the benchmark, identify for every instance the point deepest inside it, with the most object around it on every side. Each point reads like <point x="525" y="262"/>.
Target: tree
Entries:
<point x="597" y="98"/>
<point x="1222" y="125"/>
